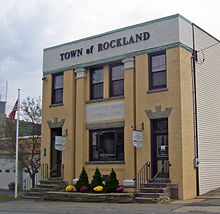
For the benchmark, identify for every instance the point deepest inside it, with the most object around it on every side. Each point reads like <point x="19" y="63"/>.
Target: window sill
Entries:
<point x="157" y="90"/>
<point x="57" y="104"/>
<point x="104" y="99"/>
<point x="105" y="162"/>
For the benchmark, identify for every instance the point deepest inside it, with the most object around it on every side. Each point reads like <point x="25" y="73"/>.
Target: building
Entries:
<point x="159" y="78"/>
<point x="29" y="149"/>
<point x="7" y="161"/>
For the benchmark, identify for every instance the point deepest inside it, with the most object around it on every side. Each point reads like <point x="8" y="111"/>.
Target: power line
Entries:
<point x="209" y="46"/>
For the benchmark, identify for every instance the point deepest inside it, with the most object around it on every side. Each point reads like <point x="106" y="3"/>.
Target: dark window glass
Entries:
<point x="107" y="145"/>
<point x="116" y="80"/>
<point x="96" y="83"/>
<point x="57" y="94"/>
<point x="157" y="71"/>
<point x="7" y="171"/>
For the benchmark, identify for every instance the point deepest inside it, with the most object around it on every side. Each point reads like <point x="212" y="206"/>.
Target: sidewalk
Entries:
<point x="213" y="194"/>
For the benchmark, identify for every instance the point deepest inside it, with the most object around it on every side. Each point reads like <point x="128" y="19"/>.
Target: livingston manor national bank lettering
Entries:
<point x="141" y="100"/>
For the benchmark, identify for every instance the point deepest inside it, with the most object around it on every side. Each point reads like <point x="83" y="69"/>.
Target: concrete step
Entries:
<point x="47" y="186"/>
<point x="146" y="200"/>
<point x="38" y="189"/>
<point x="155" y="185"/>
<point x="33" y="195"/>
<point x="153" y="190"/>
<point x="152" y="195"/>
<point x="54" y="182"/>
<point x="160" y="180"/>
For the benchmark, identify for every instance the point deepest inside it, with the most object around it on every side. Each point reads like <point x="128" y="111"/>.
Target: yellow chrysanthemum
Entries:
<point x="98" y="188"/>
<point x="69" y="188"/>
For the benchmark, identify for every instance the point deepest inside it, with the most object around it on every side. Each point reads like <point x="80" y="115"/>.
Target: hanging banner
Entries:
<point x="137" y="139"/>
<point x="60" y="143"/>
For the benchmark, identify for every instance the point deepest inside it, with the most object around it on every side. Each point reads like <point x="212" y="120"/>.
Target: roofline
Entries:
<point x="119" y="30"/>
<point x="117" y="58"/>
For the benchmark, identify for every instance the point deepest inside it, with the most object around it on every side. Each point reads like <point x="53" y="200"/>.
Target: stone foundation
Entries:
<point x="90" y="197"/>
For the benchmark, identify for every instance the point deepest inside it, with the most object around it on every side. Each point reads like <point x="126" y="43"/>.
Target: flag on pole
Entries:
<point x="13" y="112"/>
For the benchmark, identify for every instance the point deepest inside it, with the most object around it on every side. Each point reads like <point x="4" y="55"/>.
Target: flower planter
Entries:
<point x="90" y="197"/>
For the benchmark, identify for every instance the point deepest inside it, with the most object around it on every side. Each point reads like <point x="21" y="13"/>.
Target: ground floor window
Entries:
<point x="107" y="145"/>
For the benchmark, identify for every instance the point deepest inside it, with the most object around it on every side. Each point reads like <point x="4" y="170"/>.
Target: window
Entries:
<point x="157" y="71"/>
<point x="57" y="94"/>
<point x="96" y="83"/>
<point x="116" y="80"/>
<point x="107" y="145"/>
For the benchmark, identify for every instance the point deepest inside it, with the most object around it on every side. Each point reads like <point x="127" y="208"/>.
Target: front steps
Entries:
<point x="52" y="184"/>
<point x="153" y="192"/>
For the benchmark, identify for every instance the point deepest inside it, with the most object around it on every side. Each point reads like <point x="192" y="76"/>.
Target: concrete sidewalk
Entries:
<point x="213" y="194"/>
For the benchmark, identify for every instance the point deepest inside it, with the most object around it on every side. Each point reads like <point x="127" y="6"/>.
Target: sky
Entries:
<point x="29" y="26"/>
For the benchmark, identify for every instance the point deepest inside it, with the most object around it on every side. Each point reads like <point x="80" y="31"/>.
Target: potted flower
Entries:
<point x="98" y="189"/>
<point x="83" y="189"/>
<point x="120" y="189"/>
<point x="11" y="186"/>
<point x="69" y="188"/>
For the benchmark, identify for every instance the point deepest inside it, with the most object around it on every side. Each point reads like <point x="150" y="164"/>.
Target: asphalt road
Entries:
<point x="48" y="207"/>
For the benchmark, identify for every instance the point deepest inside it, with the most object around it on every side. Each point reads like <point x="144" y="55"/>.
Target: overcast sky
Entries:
<point x="29" y="26"/>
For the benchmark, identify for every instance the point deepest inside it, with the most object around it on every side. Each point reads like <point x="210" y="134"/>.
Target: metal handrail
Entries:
<point x="44" y="172"/>
<point x="44" y="175"/>
<point x="56" y="171"/>
<point x="166" y="166"/>
<point x="142" y="176"/>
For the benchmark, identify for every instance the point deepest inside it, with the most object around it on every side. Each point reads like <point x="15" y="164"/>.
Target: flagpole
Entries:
<point x="16" y="158"/>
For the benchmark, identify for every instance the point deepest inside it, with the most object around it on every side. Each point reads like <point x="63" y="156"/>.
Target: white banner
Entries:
<point x="137" y="139"/>
<point x="60" y="143"/>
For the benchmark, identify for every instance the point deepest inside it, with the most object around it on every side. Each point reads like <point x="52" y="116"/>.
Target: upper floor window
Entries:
<point x="96" y="83"/>
<point x="116" y="80"/>
<point x="57" y="91"/>
<point x="157" y="70"/>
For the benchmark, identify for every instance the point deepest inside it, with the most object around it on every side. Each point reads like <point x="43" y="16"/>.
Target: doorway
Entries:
<point x="56" y="156"/>
<point x="159" y="148"/>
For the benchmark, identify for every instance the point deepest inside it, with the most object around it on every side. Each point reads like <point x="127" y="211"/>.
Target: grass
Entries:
<point x="6" y="198"/>
<point x="9" y="198"/>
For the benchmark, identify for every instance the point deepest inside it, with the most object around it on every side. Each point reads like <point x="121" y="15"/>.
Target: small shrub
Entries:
<point x="83" y="180"/>
<point x="96" y="179"/>
<point x="111" y="183"/>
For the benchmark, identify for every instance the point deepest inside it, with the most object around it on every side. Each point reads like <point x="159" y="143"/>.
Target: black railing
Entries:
<point x="57" y="171"/>
<point x="162" y="175"/>
<point x="143" y="176"/>
<point x="44" y="172"/>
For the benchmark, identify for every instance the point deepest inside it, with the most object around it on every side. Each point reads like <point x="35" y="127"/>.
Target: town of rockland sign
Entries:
<point x="140" y="37"/>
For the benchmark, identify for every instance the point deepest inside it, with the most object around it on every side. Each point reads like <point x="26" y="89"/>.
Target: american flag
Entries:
<point x="13" y="112"/>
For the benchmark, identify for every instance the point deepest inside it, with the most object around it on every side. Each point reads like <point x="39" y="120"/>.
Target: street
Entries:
<point x="47" y="207"/>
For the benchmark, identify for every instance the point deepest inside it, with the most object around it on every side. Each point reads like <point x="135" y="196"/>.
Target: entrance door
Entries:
<point x="159" y="148"/>
<point x="56" y="156"/>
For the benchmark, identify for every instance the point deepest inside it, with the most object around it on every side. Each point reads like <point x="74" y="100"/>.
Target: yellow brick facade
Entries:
<point x="137" y="99"/>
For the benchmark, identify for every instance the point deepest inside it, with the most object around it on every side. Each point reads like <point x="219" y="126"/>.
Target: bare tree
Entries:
<point x="29" y="155"/>
<point x="29" y="143"/>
